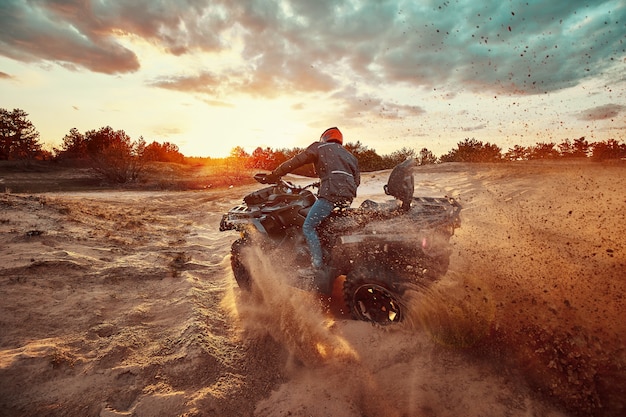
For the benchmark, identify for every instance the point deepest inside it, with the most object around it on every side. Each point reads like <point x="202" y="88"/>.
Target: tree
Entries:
<point x="163" y="152"/>
<point x="74" y="146"/>
<point x="19" y="140"/>
<point x="578" y="149"/>
<point x="113" y="155"/>
<point x="581" y="147"/>
<point x="399" y="156"/>
<point x="262" y="159"/>
<point x="610" y="149"/>
<point x="279" y="156"/>
<point x="544" y="151"/>
<point x="426" y="157"/>
<point x="517" y="153"/>
<point x="491" y="153"/>
<point x="368" y="159"/>
<point x="239" y="153"/>
<point x="472" y="150"/>
<point x="236" y="164"/>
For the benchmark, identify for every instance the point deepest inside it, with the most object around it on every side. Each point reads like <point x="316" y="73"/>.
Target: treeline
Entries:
<point x="369" y="160"/>
<point x="468" y="150"/>
<point x="114" y="156"/>
<point x="110" y="153"/>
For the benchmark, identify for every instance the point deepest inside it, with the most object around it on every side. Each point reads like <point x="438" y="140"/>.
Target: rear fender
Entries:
<point x="395" y="251"/>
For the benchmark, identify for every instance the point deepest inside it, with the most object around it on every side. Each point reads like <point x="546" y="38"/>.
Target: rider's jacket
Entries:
<point x="337" y="169"/>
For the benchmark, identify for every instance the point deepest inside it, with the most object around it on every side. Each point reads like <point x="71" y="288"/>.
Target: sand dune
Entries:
<point x="123" y="304"/>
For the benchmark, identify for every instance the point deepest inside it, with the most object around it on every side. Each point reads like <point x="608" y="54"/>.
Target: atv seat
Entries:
<point x="280" y="198"/>
<point x="308" y="198"/>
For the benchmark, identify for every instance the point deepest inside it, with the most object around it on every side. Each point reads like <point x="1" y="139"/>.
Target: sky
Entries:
<point x="210" y="75"/>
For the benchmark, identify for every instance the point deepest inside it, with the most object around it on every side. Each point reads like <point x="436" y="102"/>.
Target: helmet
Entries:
<point x="332" y="135"/>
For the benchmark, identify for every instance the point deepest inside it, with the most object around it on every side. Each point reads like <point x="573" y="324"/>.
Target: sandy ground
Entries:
<point x="123" y="304"/>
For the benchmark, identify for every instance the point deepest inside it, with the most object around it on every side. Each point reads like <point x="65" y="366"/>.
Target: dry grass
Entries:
<point x="48" y="176"/>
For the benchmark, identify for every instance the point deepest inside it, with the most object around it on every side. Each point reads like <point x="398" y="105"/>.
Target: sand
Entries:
<point x="123" y="304"/>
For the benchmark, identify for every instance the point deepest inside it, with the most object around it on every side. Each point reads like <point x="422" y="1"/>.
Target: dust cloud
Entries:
<point x="527" y="312"/>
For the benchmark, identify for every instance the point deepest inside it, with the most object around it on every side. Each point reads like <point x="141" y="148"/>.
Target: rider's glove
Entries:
<point x="271" y="178"/>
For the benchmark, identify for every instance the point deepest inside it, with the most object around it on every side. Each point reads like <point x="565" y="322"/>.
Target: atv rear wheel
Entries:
<point x="241" y="273"/>
<point x="373" y="300"/>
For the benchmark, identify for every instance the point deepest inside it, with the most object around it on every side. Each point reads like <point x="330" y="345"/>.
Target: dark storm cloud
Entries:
<point x="81" y="33"/>
<point x="608" y="111"/>
<point x="514" y="47"/>
<point x="31" y="31"/>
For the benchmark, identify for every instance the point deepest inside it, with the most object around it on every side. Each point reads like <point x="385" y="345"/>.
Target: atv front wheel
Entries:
<point x="373" y="301"/>
<point x="241" y="273"/>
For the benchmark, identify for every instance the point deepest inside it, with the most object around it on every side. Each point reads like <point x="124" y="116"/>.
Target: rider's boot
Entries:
<point x="318" y="277"/>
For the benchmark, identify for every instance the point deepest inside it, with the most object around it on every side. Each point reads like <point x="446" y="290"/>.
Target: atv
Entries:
<point x="382" y="250"/>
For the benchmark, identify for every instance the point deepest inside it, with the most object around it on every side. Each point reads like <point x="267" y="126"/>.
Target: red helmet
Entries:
<point x="332" y="135"/>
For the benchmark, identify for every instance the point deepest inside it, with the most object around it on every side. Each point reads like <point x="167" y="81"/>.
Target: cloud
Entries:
<point x="205" y="82"/>
<point x="514" y="47"/>
<point x="608" y="111"/>
<point x="4" y="75"/>
<point x="31" y="33"/>
<point x="508" y="47"/>
<point x="166" y="131"/>
<point x="355" y="104"/>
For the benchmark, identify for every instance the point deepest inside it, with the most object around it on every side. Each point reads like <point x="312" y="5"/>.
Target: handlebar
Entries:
<point x="263" y="179"/>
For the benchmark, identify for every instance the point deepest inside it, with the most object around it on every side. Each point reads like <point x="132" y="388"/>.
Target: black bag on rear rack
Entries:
<point x="401" y="183"/>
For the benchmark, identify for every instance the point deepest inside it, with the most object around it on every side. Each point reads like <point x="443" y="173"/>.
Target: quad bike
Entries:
<point x="383" y="249"/>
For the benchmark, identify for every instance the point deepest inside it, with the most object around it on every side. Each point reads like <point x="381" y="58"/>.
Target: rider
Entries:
<point x="339" y="175"/>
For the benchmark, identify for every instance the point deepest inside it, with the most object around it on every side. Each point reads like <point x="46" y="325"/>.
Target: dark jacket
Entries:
<point x="337" y="169"/>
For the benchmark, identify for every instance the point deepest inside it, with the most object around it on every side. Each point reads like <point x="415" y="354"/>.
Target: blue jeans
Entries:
<point x="318" y="212"/>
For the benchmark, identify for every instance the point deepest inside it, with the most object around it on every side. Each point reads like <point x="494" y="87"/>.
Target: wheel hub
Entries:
<point x="375" y="303"/>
